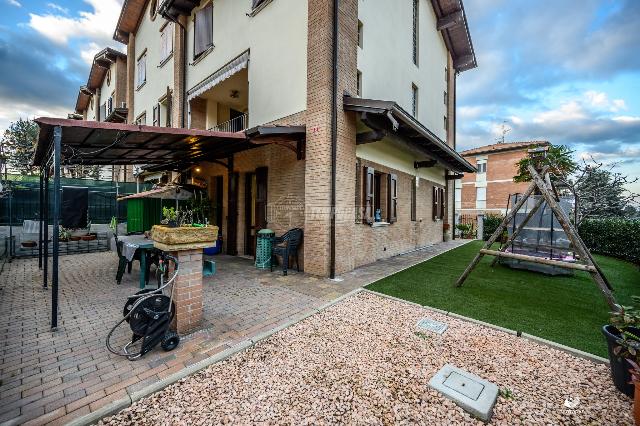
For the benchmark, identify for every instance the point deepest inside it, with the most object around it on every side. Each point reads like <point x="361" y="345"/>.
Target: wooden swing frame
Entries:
<point x="587" y="262"/>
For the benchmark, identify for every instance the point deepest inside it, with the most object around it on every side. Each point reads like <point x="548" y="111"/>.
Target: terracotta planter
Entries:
<point x="636" y="404"/>
<point x="88" y="237"/>
<point x="29" y="244"/>
<point x="75" y="238"/>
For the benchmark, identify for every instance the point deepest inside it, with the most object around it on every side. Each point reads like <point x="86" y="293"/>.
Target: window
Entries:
<point x="156" y="115"/>
<point x="414" y="198"/>
<point x="203" y="35"/>
<point x="414" y="100"/>
<point x="257" y="3"/>
<point x="446" y="123"/>
<point x="142" y="119"/>
<point x="446" y="98"/>
<point x="446" y="74"/>
<point x="380" y="196"/>
<point x="141" y="70"/>
<point x="415" y="31"/>
<point x="481" y="197"/>
<point x="360" y="34"/>
<point x="153" y="9"/>
<point x="109" y="107"/>
<point x="438" y="203"/>
<point x="166" y="42"/>
<point x="109" y="77"/>
<point x="482" y="166"/>
<point x="359" y="83"/>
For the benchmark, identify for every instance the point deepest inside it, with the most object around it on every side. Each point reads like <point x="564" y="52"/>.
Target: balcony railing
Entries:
<point x="237" y="124"/>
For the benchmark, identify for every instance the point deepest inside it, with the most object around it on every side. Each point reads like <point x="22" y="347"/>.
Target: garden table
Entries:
<point x="131" y="243"/>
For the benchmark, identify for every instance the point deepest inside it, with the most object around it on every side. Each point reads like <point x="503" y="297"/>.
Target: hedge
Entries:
<point x="612" y="237"/>
<point x="490" y="224"/>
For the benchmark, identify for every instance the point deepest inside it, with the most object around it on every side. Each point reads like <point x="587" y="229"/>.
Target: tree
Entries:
<point x="19" y="142"/>
<point x="598" y="190"/>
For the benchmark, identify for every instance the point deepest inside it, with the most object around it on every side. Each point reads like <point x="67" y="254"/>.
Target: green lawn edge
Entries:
<point x="566" y="309"/>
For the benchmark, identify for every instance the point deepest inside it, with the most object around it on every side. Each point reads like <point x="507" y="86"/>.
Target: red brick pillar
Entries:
<point x="187" y="291"/>
<point x="318" y="147"/>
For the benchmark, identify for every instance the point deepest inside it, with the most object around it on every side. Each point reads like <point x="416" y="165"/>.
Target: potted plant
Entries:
<point x="63" y="235"/>
<point x="465" y="230"/>
<point x="623" y="333"/>
<point x="170" y="216"/>
<point x="447" y="231"/>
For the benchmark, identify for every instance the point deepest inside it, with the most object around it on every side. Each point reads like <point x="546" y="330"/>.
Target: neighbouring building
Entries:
<point x="386" y="164"/>
<point x="487" y="191"/>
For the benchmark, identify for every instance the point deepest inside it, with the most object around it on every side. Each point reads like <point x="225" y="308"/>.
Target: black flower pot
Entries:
<point x="173" y="224"/>
<point x="619" y="366"/>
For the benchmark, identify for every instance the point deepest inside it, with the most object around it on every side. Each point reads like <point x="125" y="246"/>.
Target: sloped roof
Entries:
<point x="452" y="22"/>
<point x="101" y="63"/>
<point x="501" y="147"/>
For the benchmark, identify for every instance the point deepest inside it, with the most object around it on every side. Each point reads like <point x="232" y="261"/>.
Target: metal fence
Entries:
<point x="23" y="201"/>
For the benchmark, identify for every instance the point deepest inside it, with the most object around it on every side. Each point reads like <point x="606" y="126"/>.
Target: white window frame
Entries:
<point x="481" y="197"/>
<point x="141" y="69"/>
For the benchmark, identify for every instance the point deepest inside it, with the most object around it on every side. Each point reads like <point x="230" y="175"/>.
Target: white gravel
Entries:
<point x="362" y="362"/>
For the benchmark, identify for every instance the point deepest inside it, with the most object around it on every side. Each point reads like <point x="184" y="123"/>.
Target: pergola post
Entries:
<point x="41" y="213"/>
<point x="57" y="148"/>
<point x="45" y="208"/>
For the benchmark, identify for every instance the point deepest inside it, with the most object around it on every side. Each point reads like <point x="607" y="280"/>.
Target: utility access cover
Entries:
<point x="427" y="324"/>
<point x="472" y="393"/>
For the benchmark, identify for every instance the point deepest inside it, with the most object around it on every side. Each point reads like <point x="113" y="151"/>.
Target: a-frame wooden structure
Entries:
<point x="545" y="188"/>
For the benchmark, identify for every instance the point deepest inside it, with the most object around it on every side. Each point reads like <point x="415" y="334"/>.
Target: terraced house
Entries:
<point x="348" y="110"/>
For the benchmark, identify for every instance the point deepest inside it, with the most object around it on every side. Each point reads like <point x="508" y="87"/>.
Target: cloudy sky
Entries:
<point x="567" y="71"/>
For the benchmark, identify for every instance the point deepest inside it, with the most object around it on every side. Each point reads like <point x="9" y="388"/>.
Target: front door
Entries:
<point x="255" y="211"/>
<point x="232" y="215"/>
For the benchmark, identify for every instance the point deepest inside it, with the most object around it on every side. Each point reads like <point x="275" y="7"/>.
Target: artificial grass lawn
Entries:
<point x="565" y="309"/>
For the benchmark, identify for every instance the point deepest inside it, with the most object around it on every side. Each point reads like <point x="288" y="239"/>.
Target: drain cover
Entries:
<point x="432" y="325"/>
<point x="472" y="393"/>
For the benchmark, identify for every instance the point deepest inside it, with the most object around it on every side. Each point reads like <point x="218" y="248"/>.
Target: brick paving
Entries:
<point x="54" y="377"/>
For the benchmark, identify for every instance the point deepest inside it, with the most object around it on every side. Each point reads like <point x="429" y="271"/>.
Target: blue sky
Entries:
<point x="567" y="71"/>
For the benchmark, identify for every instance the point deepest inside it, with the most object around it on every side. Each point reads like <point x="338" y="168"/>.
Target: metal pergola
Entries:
<point x="66" y="141"/>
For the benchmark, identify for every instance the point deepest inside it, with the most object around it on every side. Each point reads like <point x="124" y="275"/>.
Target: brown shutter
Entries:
<point x="434" y="204"/>
<point x="413" y="199"/>
<point x="369" y="175"/>
<point x="169" y="107"/>
<point x="393" y="198"/>
<point x="442" y="202"/>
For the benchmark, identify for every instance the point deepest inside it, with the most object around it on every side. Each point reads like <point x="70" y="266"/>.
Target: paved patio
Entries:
<point x="53" y="377"/>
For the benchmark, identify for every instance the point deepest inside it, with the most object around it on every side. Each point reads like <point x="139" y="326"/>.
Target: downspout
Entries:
<point x="455" y="118"/>
<point x="334" y="137"/>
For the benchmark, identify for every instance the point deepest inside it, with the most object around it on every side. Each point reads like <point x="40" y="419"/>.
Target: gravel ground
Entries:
<point x="362" y="362"/>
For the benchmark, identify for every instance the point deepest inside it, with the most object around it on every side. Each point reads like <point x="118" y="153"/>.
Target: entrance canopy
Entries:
<point x="100" y="143"/>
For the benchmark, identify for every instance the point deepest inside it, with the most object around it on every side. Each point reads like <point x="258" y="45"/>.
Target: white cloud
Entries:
<point x="15" y="3"/>
<point x="88" y="51"/>
<point x="568" y="111"/>
<point x="97" y="25"/>
<point x="57" y="7"/>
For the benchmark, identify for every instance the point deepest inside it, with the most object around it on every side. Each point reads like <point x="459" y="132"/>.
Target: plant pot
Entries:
<point x="619" y="366"/>
<point x="90" y="237"/>
<point x="636" y="404"/>
<point x="29" y="244"/>
<point x="75" y="238"/>
<point x="172" y="224"/>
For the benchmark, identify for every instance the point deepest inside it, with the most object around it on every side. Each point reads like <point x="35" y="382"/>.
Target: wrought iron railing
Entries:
<point x="237" y="124"/>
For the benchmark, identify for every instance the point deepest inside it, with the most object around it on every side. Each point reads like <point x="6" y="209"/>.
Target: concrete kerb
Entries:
<point x="125" y="402"/>
<point x="571" y="351"/>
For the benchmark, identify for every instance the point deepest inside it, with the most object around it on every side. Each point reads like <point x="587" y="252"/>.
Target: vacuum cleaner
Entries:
<point x="149" y="313"/>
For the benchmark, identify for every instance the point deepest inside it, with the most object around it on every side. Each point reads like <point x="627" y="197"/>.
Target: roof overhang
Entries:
<point x="130" y="14"/>
<point x="101" y="63"/>
<point x="452" y="22"/>
<point x="171" y="9"/>
<point x="387" y="119"/>
<point x="101" y="143"/>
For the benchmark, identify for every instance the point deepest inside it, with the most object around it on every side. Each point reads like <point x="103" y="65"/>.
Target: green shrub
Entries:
<point x="613" y="237"/>
<point x="490" y="224"/>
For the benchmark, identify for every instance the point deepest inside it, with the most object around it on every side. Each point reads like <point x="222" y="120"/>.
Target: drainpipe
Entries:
<point x="334" y="137"/>
<point x="455" y="117"/>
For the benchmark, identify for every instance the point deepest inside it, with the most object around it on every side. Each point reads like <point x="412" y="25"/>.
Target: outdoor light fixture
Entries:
<point x="197" y="169"/>
<point x="235" y="94"/>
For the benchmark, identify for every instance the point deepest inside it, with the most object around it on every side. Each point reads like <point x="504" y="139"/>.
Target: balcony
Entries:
<point x="236" y="124"/>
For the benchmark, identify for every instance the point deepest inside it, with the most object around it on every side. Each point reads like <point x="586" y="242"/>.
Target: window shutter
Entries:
<point x="434" y="207"/>
<point x="443" y="203"/>
<point x="413" y="199"/>
<point x="156" y="115"/>
<point x="169" y="108"/>
<point x="203" y="30"/>
<point x="369" y="175"/>
<point x="257" y="3"/>
<point x="393" y="198"/>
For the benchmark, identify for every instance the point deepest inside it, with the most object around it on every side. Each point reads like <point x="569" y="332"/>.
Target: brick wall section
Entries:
<point x="188" y="291"/>
<point x="131" y="73"/>
<point x="121" y="82"/>
<point x="318" y="119"/>
<point x="375" y="243"/>
<point x="178" y="101"/>
<point x="500" y="166"/>
<point x="199" y="113"/>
